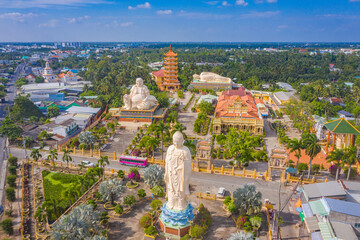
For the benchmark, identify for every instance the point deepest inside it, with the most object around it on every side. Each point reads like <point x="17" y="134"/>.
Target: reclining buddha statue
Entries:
<point x="139" y="97"/>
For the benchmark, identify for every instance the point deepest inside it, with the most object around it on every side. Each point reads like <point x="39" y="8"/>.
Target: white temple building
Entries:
<point x="48" y="74"/>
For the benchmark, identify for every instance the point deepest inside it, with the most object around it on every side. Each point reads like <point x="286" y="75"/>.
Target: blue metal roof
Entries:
<point x="344" y="207"/>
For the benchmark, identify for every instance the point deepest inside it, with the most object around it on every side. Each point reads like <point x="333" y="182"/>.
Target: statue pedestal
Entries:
<point x="131" y="115"/>
<point x="176" y="223"/>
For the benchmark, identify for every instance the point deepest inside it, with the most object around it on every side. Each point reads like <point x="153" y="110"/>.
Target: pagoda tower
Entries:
<point x="48" y="74"/>
<point x="171" y="82"/>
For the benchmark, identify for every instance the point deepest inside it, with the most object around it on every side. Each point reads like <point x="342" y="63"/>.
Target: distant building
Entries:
<point x="66" y="128"/>
<point x="158" y="77"/>
<point x="237" y="109"/>
<point x="48" y="74"/>
<point x="283" y="97"/>
<point x="31" y="78"/>
<point x="208" y="80"/>
<point x="285" y="86"/>
<point x="345" y="114"/>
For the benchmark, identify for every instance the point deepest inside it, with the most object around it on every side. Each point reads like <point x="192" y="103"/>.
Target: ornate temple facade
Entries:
<point x="237" y="109"/>
<point x="171" y="82"/>
<point x="48" y="74"/>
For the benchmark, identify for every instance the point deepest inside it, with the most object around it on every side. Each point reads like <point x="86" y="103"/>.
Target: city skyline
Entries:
<point x="188" y="21"/>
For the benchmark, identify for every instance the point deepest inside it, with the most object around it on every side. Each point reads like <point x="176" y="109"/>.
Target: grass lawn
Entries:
<point x="55" y="184"/>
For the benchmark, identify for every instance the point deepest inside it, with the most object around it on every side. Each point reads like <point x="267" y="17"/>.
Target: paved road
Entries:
<point x="11" y="94"/>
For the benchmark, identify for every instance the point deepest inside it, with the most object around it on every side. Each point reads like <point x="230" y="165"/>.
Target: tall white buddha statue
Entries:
<point x="139" y="97"/>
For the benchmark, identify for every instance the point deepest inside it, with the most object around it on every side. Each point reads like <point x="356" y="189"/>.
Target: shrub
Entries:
<point x="13" y="161"/>
<point x="197" y="231"/>
<point x="130" y="200"/>
<point x="241" y="220"/>
<point x="247" y="227"/>
<point x="156" y="204"/>
<point x="119" y="209"/>
<point x="315" y="167"/>
<point x="231" y="207"/>
<point x="333" y="169"/>
<point x="227" y="200"/>
<point x="7" y="226"/>
<point x="141" y="193"/>
<point x="353" y="172"/>
<point x="145" y="221"/>
<point x="11" y="180"/>
<point x="120" y="174"/>
<point x="93" y="203"/>
<point x="12" y="170"/>
<point x="151" y="231"/>
<point x="158" y="191"/>
<point x="303" y="167"/>
<point x="10" y="194"/>
<point x="256" y="222"/>
<point x="82" y="146"/>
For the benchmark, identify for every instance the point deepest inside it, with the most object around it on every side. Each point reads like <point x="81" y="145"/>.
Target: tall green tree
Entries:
<point x="53" y="155"/>
<point x="53" y="111"/>
<point x="295" y="145"/>
<point x="161" y="129"/>
<point x="312" y="147"/>
<point x="336" y="156"/>
<point x="25" y="108"/>
<point x="66" y="156"/>
<point x="350" y="158"/>
<point x="10" y="130"/>
<point x="35" y="154"/>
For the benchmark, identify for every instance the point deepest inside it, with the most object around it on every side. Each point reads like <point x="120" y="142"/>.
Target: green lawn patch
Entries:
<point x="55" y="184"/>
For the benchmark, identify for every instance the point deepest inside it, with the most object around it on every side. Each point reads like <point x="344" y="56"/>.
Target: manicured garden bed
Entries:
<point x="62" y="189"/>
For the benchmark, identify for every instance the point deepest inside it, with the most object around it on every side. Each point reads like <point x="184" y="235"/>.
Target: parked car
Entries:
<point x="221" y="192"/>
<point x="88" y="164"/>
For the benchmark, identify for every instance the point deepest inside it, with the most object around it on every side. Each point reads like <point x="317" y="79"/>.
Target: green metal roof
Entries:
<point x="326" y="231"/>
<point x="341" y="125"/>
<point x="317" y="207"/>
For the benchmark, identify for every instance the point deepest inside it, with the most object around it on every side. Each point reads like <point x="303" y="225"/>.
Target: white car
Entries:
<point x="221" y="192"/>
<point x="88" y="164"/>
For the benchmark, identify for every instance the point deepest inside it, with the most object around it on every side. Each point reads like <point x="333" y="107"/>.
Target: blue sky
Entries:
<point x="180" y="20"/>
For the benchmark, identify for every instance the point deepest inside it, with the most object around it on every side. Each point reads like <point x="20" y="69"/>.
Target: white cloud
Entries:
<point x="198" y="15"/>
<point x="48" y="3"/>
<point x="17" y="17"/>
<point x="212" y="2"/>
<point x="164" y="12"/>
<point x="281" y="27"/>
<point x="225" y="4"/>
<point x="126" y="24"/>
<point x="354" y="0"/>
<point x="271" y="1"/>
<point x="258" y="1"/>
<point x="241" y="3"/>
<point x="52" y="23"/>
<point x="255" y="14"/>
<point x="146" y="5"/>
<point x="77" y="19"/>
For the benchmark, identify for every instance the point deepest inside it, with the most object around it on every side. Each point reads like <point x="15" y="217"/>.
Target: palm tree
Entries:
<point x="40" y="214"/>
<point x="70" y="194"/>
<point x="312" y="147"/>
<point x="336" y="156"/>
<point x="295" y="145"/>
<point x="66" y="157"/>
<point x="178" y="127"/>
<point x="152" y="143"/>
<point x="53" y="155"/>
<point x="81" y="166"/>
<point x="111" y="189"/>
<point x="160" y="129"/>
<point x="104" y="160"/>
<point x="191" y="145"/>
<point x="350" y="158"/>
<point x="35" y="154"/>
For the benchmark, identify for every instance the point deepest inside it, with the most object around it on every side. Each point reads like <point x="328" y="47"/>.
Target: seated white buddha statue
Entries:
<point x="139" y="97"/>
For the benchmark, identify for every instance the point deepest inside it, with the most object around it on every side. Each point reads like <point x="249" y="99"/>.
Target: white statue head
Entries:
<point x="139" y="82"/>
<point x="178" y="139"/>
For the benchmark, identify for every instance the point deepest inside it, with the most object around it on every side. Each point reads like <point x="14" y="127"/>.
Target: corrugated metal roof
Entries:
<point x="343" y="231"/>
<point x="317" y="207"/>
<point x="344" y="207"/>
<point x="326" y="231"/>
<point x="325" y="189"/>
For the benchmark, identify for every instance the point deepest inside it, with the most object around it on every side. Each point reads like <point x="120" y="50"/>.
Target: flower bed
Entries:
<point x="132" y="185"/>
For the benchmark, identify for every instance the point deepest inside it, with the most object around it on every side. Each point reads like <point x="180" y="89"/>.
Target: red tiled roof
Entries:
<point x="228" y="98"/>
<point x="159" y="73"/>
<point x="337" y="100"/>
<point x="259" y="101"/>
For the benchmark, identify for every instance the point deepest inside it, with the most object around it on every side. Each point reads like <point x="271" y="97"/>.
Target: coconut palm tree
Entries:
<point x="178" y="127"/>
<point x="350" y="158"/>
<point x="160" y="129"/>
<point x="35" y="154"/>
<point x="191" y="145"/>
<point x="53" y="155"/>
<point x="152" y="144"/>
<point x="104" y="160"/>
<point x="111" y="189"/>
<point x="66" y="157"/>
<point x="336" y="156"/>
<point x="312" y="147"/>
<point x="40" y="214"/>
<point x="295" y="145"/>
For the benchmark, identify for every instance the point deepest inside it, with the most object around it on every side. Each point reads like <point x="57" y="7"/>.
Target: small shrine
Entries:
<point x="203" y="155"/>
<point x="277" y="162"/>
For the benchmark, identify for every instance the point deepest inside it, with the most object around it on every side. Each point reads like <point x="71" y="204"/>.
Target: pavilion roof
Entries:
<point x="341" y="125"/>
